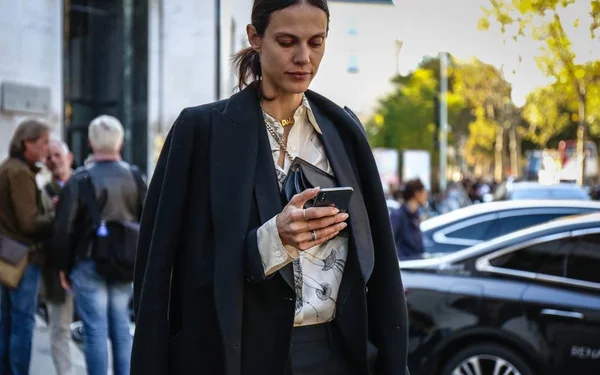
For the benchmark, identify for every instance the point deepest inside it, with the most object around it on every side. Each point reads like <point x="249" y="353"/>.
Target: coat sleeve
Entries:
<point x="160" y="225"/>
<point x="387" y="310"/>
<point x="31" y="222"/>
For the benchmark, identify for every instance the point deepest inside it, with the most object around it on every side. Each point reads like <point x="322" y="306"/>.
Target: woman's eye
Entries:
<point x="316" y="42"/>
<point x="286" y="43"/>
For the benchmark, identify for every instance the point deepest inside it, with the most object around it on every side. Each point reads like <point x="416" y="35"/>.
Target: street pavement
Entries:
<point x="41" y="359"/>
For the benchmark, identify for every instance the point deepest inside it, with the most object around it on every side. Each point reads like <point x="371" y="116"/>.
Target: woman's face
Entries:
<point x="421" y="197"/>
<point x="291" y="48"/>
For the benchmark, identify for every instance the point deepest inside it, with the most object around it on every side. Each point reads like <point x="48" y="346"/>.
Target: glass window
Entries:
<point x="106" y="72"/>
<point x="584" y="260"/>
<point x="472" y="232"/>
<point x="353" y="64"/>
<point x="548" y="258"/>
<point x="511" y="224"/>
<point x="352" y="29"/>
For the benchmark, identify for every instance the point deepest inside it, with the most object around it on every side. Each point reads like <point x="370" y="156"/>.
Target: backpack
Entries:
<point x="113" y="243"/>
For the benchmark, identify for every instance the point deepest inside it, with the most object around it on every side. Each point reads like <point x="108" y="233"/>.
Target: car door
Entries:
<point x="562" y="300"/>
<point x="563" y="305"/>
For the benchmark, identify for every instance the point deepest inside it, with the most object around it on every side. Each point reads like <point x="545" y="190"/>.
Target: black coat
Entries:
<point x="202" y="303"/>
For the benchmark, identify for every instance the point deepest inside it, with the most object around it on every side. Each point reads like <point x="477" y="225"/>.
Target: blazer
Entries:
<point x="202" y="302"/>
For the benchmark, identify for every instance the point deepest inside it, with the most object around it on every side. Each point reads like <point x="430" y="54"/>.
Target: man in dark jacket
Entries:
<point x="406" y="222"/>
<point x="101" y="302"/>
<point x="22" y="220"/>
<point x="58" y="302"/>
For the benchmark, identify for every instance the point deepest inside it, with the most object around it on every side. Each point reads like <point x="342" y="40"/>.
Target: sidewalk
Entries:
<point x="41" y="359"/>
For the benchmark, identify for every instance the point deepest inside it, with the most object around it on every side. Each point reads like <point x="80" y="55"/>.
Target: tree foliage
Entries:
<point x="541" y="21"/>
<point x="477" y="97"/>
<point x="552" y="112"/>
<point x="405" y="119"/>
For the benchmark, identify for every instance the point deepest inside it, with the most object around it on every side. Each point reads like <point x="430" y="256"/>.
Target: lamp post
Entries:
<point x="443" y="138"/>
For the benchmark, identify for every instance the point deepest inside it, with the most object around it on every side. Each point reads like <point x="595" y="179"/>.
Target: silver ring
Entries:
<point x="314" y="235"/>
<point x="304" y="213"/>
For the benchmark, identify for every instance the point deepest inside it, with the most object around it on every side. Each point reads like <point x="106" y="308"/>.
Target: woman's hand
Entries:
<point x="306" y="228"/>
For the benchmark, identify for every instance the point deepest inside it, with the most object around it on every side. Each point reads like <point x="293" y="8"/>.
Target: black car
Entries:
<point x="524" y="304"/>
<point x="481" y="222"/>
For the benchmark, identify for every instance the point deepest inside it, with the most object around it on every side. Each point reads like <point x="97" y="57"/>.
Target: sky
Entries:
<point x="429" y="26"/>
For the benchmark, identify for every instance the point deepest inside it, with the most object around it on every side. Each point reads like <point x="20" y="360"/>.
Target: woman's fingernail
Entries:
<point x="345" y="216"/>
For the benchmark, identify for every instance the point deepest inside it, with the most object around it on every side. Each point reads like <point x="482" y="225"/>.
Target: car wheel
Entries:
<point x="487" y="359"/>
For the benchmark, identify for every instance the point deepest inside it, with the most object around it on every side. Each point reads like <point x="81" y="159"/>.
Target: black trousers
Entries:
<point x="318" y="350"/>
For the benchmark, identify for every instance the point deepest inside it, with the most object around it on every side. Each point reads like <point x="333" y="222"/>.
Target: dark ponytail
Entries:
<point x="247" y="60"/>
<point x="248" y="66"/>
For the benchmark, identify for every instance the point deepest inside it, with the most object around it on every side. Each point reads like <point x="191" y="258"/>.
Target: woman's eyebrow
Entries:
<point x="288" y="35"/>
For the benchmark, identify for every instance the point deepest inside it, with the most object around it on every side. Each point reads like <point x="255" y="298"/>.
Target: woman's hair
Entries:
<point x="28" y="130"/>
<point x="105" y="134"/>
<point x="247" y="60"/>
<point x="411" y="188"/>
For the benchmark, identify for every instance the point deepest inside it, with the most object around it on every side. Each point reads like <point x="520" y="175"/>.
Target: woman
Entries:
<point x="407" y="231"/>
<point x="230" y="279"/>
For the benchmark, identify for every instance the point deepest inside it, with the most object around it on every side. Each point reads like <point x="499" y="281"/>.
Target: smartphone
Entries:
<point x="337" y="197"/>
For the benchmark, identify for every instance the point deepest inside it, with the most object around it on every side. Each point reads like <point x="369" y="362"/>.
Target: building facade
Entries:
<point x="30" y="65"/>
<point x="143" y="61"/>
<point x="362" y="53"/>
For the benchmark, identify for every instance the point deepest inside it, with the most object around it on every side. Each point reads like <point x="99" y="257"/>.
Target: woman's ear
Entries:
<point x="253" y="37"/>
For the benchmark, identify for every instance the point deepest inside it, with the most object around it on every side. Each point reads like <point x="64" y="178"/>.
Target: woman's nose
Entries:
<point x="302" y="55"/>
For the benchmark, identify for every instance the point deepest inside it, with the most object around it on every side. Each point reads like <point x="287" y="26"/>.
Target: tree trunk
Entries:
<point x="581" y="134"/>
<point x="498" y="165"/>
<point x="514" y="153"/>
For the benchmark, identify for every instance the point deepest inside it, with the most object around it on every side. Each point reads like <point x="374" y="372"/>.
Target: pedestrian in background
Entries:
<point x="22" y="219"/>
<point x="59" y="303"/>
<point x="407" y="230"/>
<point x="232" y="278"/>
<point x="91" y="212"/>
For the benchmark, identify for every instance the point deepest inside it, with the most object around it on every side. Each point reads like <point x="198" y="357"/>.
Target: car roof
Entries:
<point x="491" y="207"/>
<point x="570" y="223"/>
<point x="526" y="185"/>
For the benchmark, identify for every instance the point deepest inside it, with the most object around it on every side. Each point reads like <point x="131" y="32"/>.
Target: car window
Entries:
<point x="474" y="231"/>
<point x="584" y="260"/>
<point x="553" y="193"/>
<point x="547" y="258"/>
<point x="506" y="225"/>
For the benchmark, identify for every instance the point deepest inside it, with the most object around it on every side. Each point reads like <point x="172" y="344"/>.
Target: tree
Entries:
<point x="479" y="109"/>
<point x="552" y="111"/>
<point x="541" y="21"/>
<point x="484" y="88"/>
<point x="405" y="118"/>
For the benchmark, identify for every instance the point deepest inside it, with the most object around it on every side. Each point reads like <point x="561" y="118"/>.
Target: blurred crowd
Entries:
<point x="70" y="233"/>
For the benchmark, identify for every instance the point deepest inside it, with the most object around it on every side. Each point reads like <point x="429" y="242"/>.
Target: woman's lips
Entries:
<point x="300" y="76"/>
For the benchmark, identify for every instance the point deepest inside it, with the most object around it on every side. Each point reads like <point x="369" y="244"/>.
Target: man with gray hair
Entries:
<point x="91" y="214"/>
<point x="58" y="302"/>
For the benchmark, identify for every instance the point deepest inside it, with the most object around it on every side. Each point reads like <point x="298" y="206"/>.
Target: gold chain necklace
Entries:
<point x="279" y="140"/>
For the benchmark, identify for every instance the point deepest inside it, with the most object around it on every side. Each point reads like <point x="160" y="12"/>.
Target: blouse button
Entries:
<point x="278" y="254"/>
<point x="293" y="148"/>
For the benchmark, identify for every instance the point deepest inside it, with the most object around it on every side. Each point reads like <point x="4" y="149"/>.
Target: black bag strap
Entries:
<point x="88" y="195"/>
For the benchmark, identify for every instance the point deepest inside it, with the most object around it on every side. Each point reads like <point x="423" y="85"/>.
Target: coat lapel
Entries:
<point x="359" y="219"/>
<point x="266" y="190"/>
<point x="231" y="178"/>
